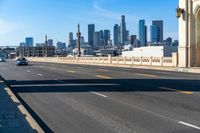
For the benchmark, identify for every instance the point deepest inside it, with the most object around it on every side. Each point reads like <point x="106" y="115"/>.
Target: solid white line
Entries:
<point x="99" y="94"/>
<point x="190" y="125"/>
<point x="39" y="74"/>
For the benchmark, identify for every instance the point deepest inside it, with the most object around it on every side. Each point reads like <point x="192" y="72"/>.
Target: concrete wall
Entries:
<point x="151" y="51"/>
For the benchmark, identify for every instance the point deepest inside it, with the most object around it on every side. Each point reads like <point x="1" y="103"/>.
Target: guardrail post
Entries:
<point x="151" y="60"/>
<point x="162" y="61"/>
<point x="175" y="59"/>
<point x="110" y="59"/>
<point x="141" y="63"/>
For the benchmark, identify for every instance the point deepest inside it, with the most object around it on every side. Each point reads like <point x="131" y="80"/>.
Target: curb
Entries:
<point x="34" y="125"/>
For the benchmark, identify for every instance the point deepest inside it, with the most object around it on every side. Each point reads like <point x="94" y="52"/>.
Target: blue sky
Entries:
<point x="21" y="18"/>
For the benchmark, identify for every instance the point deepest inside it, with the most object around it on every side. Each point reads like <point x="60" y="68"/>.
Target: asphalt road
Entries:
<point x="99" y="99"/>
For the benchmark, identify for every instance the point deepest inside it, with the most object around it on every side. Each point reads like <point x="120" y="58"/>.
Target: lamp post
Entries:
<point x="179" y="12"/>
<point x="78" y="43"/>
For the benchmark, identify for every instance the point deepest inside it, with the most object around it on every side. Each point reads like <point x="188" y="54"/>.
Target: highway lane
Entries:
<point x="78" y="98"/>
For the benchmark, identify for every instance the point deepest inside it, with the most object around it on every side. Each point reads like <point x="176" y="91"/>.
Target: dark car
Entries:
<point x="22" y="62"/>
<point x="2" y="60"/>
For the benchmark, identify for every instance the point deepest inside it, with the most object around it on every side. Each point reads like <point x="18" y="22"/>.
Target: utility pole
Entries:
<point x="79" y="41"/>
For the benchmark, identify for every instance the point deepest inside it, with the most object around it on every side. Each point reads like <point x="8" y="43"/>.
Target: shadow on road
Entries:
<point x="103" y="85"/>
<point x="97" y="85"/>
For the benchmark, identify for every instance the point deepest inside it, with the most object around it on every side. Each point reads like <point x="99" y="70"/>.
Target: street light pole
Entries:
<point x="79" y="41"/>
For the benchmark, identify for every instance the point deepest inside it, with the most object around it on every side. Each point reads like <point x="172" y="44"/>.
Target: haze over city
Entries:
<point x="22" y="18"/>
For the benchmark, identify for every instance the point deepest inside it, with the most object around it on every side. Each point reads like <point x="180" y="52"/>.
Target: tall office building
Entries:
<point x="50" y="42"/>
<point x="91" y="30"/>
<point x="159" y="24"/>
<point x="142" y="33"/>
<point x="71" y="38"/>
<point x="29" y="41"/>
<point x="106" y="37"/>
<point x="101" y="38"/>
<point x="116" y="34"/>
<point x="96" y="38"/>
<point x="154" y="34"/>
<point x="61" y="47"/>
<point x="123" y="36"/>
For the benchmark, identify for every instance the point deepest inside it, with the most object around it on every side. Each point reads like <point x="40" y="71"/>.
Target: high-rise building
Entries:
<point x="96" y="38"/>
<point x="142" y="33"/>
<point x="82" y="41"/>
<point x="106" y="37"/>
<point x="71" y="38"/>
<point x="101" y="38"/>
<point x="116" y="34"/>
<point x="132" y="39"/>
<point x="159" y="24"/>
<point x="50" y="42"/>
<point x="154" y="34"/>
<point x="123" y="36"/>
<point x="29" y="41"/>
<point x="61" y="47"/>
<point x="91" y="30"/>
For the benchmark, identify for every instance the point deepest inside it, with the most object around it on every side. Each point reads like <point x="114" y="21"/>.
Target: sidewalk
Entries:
<point x="12" y="120"/>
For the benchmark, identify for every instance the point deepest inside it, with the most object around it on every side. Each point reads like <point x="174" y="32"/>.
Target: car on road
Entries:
<point x="22" y="62"/>
<point x="2" y="60"/>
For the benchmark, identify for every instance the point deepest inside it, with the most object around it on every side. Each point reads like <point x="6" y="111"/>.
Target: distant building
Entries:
<point x="40" y="44"/>
<point x="37" y="51"/>
<point x="82" y="41"/>
<point x="50" y="42"/>
<point x="159" y="24"/>
<point x="91" y="30"/>
<point x="29" y="41"/>
<point x="123" y="32"/>
<point x="116" y="34"/>
<point x="131" y="39"/>
<point x="71" y="38"/>
<point x="142" y="33"/>
<point x="96" y="39"/>
<point x="61" y="47"/>
<point x="154" y="34"/>
<point x="101" y="38"/>
<point x="106" y="37"/>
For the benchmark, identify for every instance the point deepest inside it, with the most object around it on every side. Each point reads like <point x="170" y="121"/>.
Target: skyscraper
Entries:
<point x="154" y="33"/>
<point x="159" y="24"/>
<point x="50" y="42"/>
<point x="101" y="38"/>
<point x="106" y="37"/>
<point x="116" y="35"/>
<point x="142" y="33"/>
<point x="91" y="30"/>
<point x="29" y="41"/>
<point x="96" y="38"/>
<point x="71" y="38"/>
<point x="123" y="33"/>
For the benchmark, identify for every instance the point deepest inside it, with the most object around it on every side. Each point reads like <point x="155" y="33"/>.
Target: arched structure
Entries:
<point x="189" y="33"/>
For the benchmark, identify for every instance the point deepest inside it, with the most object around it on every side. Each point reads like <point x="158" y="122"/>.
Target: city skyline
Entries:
<point x="57" y="21"/>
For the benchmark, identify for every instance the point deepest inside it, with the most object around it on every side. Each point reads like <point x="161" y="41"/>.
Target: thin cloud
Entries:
<point x="102" y="12"/>
<point x="8" y="27"/>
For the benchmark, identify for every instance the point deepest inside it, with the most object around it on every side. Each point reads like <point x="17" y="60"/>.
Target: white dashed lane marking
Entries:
<point x="99" y="94"/>
<point x="189" y="125"/>
<point x="39" y="74"/>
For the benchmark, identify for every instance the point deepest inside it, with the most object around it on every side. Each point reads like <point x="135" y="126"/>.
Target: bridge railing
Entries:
<point x="139" y="61"/>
